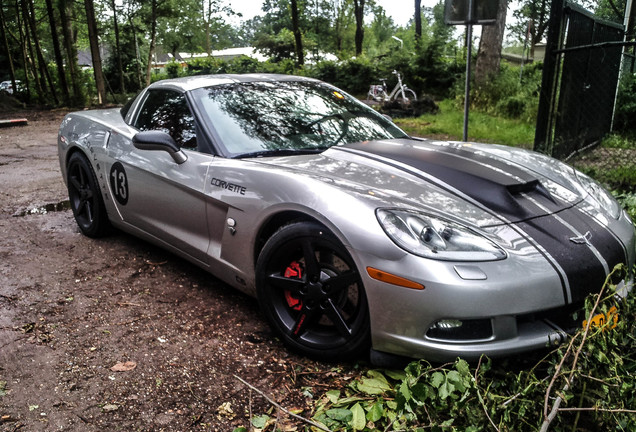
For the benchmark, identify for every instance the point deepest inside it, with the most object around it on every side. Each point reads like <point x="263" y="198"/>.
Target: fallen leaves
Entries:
<point x="225" y="411"/>
<point x="124" y="366"/>
<point x="110" y="407"/>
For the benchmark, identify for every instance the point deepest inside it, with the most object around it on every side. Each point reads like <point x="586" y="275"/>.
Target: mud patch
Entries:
<point x="47" y="208"/>
<point x="71" y="308"/>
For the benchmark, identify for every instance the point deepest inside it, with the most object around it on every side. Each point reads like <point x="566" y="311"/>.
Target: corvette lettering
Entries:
<point x="232" y="187"/>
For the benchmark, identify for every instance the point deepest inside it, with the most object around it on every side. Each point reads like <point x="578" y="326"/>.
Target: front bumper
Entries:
<point x="515" y="305"/>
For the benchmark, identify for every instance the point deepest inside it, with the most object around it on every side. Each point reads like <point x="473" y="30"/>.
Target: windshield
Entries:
<point x="288" y="117"/>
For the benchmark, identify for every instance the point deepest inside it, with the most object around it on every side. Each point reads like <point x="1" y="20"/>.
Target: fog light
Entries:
<point x="460" y="330"/>
<point x="448" y="324"/>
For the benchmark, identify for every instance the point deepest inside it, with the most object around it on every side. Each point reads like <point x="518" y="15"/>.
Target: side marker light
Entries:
<point x="393" y="279"/>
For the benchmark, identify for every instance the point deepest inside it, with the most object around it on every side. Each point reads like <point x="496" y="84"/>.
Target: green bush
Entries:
<point x="173" y="69"/>
<point x="354" y="75"/>
<point x="625" y="115"/>
<point x="587" y="383"/>
<point x="628" y="201"/>
<point x="326" y="70"/>
<point x="510" y="94"/>
<point x="243" y="64"/>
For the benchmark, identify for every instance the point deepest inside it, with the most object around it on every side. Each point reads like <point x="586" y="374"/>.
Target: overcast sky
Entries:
<point x="400" y="10"/>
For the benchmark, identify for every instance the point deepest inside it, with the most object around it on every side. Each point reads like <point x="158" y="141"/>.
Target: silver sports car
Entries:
<point x="351" y="234"/>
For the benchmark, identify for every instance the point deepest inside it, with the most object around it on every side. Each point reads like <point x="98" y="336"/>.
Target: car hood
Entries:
<point x="487" y="184"/>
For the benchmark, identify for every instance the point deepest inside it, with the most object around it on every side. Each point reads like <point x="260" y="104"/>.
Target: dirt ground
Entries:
<point x="117" y="334"/>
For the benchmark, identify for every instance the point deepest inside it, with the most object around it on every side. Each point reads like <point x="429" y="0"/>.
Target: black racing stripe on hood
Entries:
<point x="515" y="194"/>
<point x="502" y="187"/>
<point x="584" y="270"/>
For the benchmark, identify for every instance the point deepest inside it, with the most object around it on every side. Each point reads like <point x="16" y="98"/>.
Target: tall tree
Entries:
<point x="32" y="21"/>
<point x="59" y="62"/>
<point x="340" y="25"/>
<point x="532" y="18"/>
<point x="93" y="37"/>
<point x="159" y="9"/>
<point x="130" y="13"/>
<point x="22" y="43"/>
<point x="296" y="29"/>
<point x="66" y="19"/>
<point x="418" y="21"/>
<point x="489" y="55"/>
<point x="5" y="44"/>
<point x="30" y="61"/>
<point x="358" y="11"/>
<point x="120" y="66"/>
<point x="153" y="37"/>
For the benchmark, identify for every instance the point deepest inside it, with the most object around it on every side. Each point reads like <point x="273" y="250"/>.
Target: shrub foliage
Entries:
<point x="586" y="384"/>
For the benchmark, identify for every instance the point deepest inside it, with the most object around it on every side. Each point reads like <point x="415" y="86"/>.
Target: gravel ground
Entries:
<point x="117" y="334"/>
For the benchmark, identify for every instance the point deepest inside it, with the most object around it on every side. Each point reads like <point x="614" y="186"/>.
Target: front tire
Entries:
<point x="406" y="96"/>
<point x="85" y="197"/>
<point x="311" y="292"/>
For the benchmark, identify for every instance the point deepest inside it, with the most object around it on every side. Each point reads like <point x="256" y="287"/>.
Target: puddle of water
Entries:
<point x="48" y="208"/>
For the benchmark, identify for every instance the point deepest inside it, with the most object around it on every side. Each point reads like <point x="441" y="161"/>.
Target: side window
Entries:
<point x="168" y="111"/>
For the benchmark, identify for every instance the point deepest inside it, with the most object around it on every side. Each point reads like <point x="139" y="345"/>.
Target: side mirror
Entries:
<point x="159" y="140"/>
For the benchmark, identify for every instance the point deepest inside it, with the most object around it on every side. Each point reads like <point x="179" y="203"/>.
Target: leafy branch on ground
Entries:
<point x="586" y="384"/>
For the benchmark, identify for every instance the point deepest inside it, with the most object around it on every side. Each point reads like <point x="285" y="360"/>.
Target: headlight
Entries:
<point x="601" y="198"/>
<point x="433" y="237"/>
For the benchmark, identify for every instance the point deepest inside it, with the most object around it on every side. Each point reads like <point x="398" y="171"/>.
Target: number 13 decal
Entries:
<point x="119" y="183"/>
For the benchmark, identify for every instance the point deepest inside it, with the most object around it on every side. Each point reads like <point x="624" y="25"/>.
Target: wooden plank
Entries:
<point x="13" y="122"/>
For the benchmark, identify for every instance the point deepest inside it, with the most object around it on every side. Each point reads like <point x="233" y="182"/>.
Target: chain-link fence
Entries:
<point x="581" y="72"/>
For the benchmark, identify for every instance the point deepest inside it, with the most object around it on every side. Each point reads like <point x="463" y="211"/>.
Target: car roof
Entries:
<point x="199" y="81"/>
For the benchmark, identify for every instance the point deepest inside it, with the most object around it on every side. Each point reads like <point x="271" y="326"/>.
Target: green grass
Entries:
<point x="610" y="166"/>
<point x="448" y="124"/>
<point x="619" y="142"/>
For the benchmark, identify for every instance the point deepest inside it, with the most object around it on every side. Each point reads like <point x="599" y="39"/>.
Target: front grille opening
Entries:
<point x="460" y="330"/>
<point x="568" y="318"/>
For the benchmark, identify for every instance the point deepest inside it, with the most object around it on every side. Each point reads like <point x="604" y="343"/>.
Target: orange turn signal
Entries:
<point x="393" y="279"/>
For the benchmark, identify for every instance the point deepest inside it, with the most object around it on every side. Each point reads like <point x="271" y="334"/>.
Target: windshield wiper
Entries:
<point x="281" y="152"/>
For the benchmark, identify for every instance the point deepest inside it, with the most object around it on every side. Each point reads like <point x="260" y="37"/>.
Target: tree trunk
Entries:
<point x="22" y="43"/>
<point x="338" y="26"/>
<point x="29" y="57"/>
<point x="59" y="62"/>
<point x="418" y="21"/>
<point x="153" y="37"/>
<point x="297" y="35"/>
<point x="120" y="66"/>
<point x="71" y="53"/>
<point x="358" y="11"/>
<point x="137" y="54"/>
<point x="5" y="44"/>
<point x="539" y="23"/>
<point x="208" y="38"/>
<point x="97" y="59"/>
<point x="489" y="55"/>
<point x="44" y="71"/>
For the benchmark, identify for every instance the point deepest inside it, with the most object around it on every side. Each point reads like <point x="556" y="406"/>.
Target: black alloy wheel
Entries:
<point x="85" y="197"/>
<point x="312" y="294"/>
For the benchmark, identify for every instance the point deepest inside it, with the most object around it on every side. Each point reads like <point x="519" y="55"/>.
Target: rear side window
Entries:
<point x="126" y="108"/>
<point x="168" y="111"/>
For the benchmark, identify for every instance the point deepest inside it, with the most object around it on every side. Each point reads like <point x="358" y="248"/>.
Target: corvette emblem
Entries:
<point x="584" y="239"/>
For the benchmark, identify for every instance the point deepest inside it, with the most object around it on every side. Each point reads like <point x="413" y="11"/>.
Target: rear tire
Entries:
<point x="85" y="197"/>
<point x="311" y="293"/>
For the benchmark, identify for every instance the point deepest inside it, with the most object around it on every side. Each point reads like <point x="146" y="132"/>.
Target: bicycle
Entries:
<point x="401" y="93"/>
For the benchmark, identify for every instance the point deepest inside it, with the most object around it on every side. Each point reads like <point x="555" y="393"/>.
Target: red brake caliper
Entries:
<point x="293" y="271"/>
